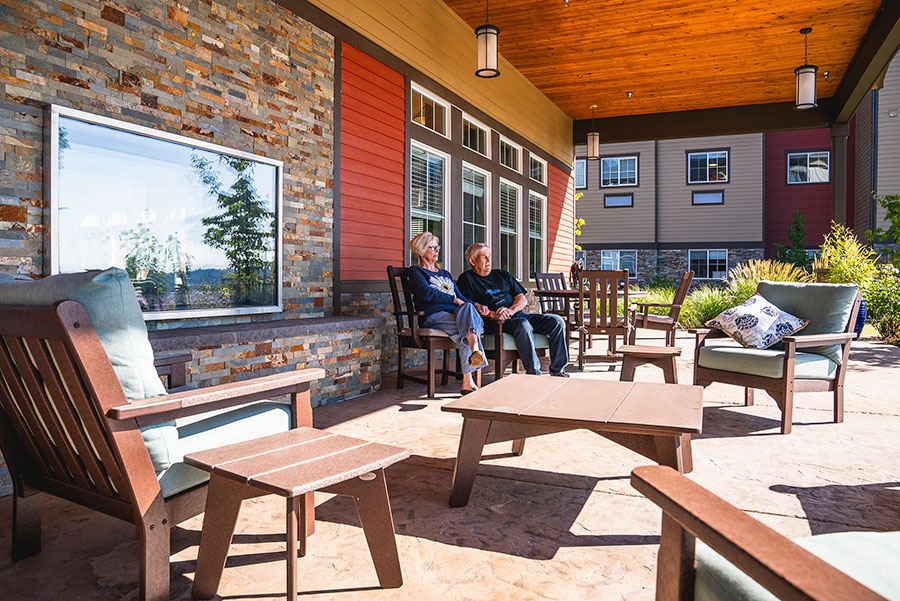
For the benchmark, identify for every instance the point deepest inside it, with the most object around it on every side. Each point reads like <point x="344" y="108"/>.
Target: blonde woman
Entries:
<point x="446" y="309"/>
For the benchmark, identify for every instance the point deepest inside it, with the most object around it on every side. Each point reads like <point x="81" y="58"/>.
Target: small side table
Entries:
<point x="660" y="356"/>
<point x="292" y="464"/>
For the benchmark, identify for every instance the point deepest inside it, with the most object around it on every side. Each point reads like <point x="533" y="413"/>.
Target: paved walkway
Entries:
<point x="560" y="522"/>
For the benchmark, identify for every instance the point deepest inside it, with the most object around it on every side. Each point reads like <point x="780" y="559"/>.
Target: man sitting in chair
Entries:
<point x="498" y="295"/>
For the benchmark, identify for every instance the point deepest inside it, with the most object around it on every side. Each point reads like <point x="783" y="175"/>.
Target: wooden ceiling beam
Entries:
<point x="755" y="118"/>
<point x="870" y="62"/>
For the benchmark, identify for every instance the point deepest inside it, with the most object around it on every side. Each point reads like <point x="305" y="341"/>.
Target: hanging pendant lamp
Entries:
<point x="486" y="35"/>
<point x="806" y="78"/>
<point x="593" y="138"/>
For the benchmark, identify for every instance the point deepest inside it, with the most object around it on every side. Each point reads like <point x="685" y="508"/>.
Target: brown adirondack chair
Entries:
<point x="641" y="318"/>
<point x="598" y="310"/>
<point x="60" y="432"/>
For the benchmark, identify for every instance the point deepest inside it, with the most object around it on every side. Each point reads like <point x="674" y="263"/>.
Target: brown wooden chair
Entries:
<point x="495" y="338"/>
<point x="795" y="368"/>
<point x="558" y="305"/>
<point x="759" y="556"/>
<point x="599" y="311"/>
<point x="640" y="316"/>
<point x="410" y="335"/>
<point x="63" y="431"/>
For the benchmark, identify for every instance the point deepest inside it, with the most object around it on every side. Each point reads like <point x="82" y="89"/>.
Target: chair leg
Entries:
<point x="431" y="374"/>
<point x="445" y="370"/>
<point x="581" y="343"/>
<point x="838" y="403"/>
<point x="155" y="549"/>
<point x="26" y="524"/>
<point x="374" y="508"/>
<point x="787" y="411"/>
<point x="400" y="367"/>
<point x="675" y="568"/>
<point x="748" y="396"/>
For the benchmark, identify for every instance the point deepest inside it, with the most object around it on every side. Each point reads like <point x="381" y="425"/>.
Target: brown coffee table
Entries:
<point x="655" y="420"/>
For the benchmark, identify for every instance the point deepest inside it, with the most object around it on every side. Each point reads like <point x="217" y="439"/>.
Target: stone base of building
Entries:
<point x="670" y="263"/>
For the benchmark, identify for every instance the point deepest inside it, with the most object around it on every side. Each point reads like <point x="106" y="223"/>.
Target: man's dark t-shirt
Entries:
<point x="496" y="289"/>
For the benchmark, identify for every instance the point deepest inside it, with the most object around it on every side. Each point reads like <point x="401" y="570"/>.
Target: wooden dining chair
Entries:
<point x="640" y="316"/>
<point x="557" y="305"/>
<point x="599" y="310"/>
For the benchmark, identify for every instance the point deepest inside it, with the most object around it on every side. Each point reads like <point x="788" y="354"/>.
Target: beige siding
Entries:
<point x="430" y="37"/>
<point x="620" y="224"/>
<point x="863" y="192"/>
<point x="888" y="139"/>
<point x="739" y="219"/>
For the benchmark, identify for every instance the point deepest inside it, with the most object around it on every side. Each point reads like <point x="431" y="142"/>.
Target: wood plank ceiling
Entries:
<point x="673" y="55"/>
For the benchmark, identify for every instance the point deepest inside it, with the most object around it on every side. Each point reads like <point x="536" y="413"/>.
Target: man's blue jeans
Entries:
<point x="523" y="326"/>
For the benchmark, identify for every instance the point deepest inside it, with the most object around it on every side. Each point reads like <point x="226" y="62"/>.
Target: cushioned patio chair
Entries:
<point x="640" y="316"/>
<point x="815" y="360"/>
<point x="68" y="368"/>
<point x="745" y="560"/>
<point x="495" y="338"/>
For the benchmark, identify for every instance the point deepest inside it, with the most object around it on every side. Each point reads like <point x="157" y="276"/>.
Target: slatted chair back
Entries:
<point x="56" y="385"/>
<point x="680" y="294"/>
<point x="404" y="307"/>
<point x="551" y="281"/>
<point x="599" y="298"/>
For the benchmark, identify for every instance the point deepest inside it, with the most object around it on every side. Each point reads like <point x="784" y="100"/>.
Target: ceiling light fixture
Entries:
<point x="593" y="138"/>
<point x="806" y="78"/>
<point x="487" y="47"/>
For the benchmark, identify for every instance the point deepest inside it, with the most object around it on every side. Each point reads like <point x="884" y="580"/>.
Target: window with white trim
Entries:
<point x="510" y="155"/>
<point x="537" y="169"/>
<point x="580" y="173"/>
<point x="429" y="111"/>
<point x="708" y="264"/>
<point x="475" y="207"/>
<point x="619" y="259"/>
<point x="475" y="137"/>
<point x="707" y="166"/>
<point x="427" y="190"/>
<point x="535" y="234"/>
<point x="509" y="228"/>
<point x="618" y="171"/>
<point x="581" y="258"/>
<point x="808" y="167"/>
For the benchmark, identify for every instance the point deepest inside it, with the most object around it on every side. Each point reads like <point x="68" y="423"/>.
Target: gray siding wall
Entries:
<point x="888" y="139"/>
<point x="863" y="207"/>
<point x="739" y="219"/>
<point x="618" y="225"/>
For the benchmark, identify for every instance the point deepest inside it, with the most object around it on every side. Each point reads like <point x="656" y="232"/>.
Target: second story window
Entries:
<point x="537" y="170"/>
<point x="707" y="167"/>
<point x="510" y="155"/>
<point x="618" y="171"/>
<point x="808" y="167"/>
<point x="475" y="137"/>
<point x="429" y="112"/>
<point x="580" y="173"/>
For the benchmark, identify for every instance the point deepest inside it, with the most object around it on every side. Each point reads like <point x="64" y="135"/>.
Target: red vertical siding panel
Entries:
<point x="560" y="220"/>
<point x="373" y="113"/>
<point x="851" y="175"/>
<point x="812" y="200"/>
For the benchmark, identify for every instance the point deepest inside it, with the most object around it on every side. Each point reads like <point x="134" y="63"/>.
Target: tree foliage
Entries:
<point x="891" y="234"/>
<point x="795" y="253"/>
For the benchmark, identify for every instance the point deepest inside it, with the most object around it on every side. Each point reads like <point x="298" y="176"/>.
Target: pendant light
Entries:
<point x="806" y="78"/>
<point x="487" y="47"/>
<point x="593" y="138"/>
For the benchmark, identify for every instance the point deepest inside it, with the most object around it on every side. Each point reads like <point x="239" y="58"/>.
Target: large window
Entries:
<point x="475" y="136"/>
<point x="510" y="155"/>
<point x="427" y="194"/>
<point x="537" y="169"/>
<point x="428" y="111"/>
<point x="808" y="167"/>
<point x="535" y="234"/>
<point x="509" y="228"/>
<point x="619" y="259"/>
<point x="707" y="167"/>
<point x="618" y="171"/>
<point x="580" y="173"/>
<point x="475" y="208"/>
<point x="708" y="264"/>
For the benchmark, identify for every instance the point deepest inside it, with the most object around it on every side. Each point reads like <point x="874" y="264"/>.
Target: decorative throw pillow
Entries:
<point x="756" y="323"/>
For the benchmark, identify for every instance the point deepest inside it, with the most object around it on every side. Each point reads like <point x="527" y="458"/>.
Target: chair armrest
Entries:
<point x="410" y="313"/>
<point x="190" y="402"/>
<point x="784" y="568"/>
<point x="171" y="359"/>
<point x="819" y="339"/>
<point x="666" y="305"/>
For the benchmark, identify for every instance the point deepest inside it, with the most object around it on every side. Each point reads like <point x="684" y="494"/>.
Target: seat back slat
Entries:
<point x="551" y="281"/>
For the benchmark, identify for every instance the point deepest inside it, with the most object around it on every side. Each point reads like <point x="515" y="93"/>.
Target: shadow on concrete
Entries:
<point x="842" y="508"/>
<point x="874" y="355"/>
<point x="728" y="421"/>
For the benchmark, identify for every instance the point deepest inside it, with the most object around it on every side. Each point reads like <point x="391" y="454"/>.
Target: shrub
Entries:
<point x="796" y="252"/>
<point x="743" y="278"/>
<point x="659" y="294"/>
<point x="660" y="281"/>
<point x="844" y="260"/>
<point x="891" y="203"/>
<point x="703" y="304"/>
<point x="883" y="303"/>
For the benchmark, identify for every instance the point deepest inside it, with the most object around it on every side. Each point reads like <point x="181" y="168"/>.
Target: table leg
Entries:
<point x="670" y="371"/>
<point x="471" y="443"/>
<point x="374" y="508"/>
<point x="675" y="451"/>
<point x="628" y="365"/>
<point x="223" y="503"/>
<point x="293" y="514"/>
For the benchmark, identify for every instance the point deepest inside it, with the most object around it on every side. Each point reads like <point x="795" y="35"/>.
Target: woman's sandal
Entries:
<point x="465" y="391"/>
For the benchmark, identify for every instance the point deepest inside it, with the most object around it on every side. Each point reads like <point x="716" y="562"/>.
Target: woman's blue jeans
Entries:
<point x="457" y="324"/>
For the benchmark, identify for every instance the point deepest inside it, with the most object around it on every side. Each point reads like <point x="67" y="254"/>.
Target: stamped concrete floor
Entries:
<point x="560" y="522"/>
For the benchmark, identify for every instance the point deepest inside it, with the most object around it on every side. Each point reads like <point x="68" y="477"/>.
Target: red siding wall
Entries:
<point x="812" y="200"/>
<point x="372" y="166"/>
<point x="851" y="174"/>
<point x="560" y="220"/>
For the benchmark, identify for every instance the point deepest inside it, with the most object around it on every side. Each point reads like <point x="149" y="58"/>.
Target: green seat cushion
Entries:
<point x="768" y="363"/>
<point x="215" y="429"/>
<point x="827" y="307"/>
<point x="509" y="343"/>
<point x="870" y="558"/>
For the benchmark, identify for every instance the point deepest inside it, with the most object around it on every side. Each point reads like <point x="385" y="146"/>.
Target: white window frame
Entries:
<point x="518" y="274"/>
<point x="618" y="184"/>
<point x="706" y="251"/>
<point x="445" y="233"/>
<point x="543" y="163"/>
<point x="618" y="265"/>
<point x="414" y="87"/>
<point x="543" y="267"/>
<point x="720" y="182"/>
<point x="787" y="162"/>
<point x="575" y="174"/>
<point x="487" y="202"/>
<point x="505" y="140"/>
<point x="479" y="125"/>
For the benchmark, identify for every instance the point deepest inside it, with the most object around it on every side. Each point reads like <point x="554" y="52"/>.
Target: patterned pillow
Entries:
<point x="756" y="323"/>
